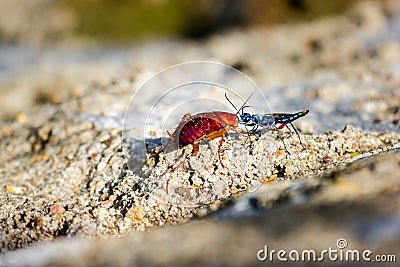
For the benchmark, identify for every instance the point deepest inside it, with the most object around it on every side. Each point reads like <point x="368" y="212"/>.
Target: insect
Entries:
<point x="276" y="121"/>
<point x="192" y="129"/>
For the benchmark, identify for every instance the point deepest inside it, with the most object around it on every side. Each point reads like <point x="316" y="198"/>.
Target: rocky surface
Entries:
<point x="63" y="171"/>
<point x="305" y="214"/>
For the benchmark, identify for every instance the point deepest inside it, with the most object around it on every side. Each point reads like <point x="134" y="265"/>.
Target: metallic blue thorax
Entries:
<point x="263" y="120"/>
<point x="257" y="119"/>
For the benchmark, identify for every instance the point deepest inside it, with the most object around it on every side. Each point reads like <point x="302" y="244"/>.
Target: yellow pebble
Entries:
<point x="14" y="189"/>
<point x="21" y="117"/>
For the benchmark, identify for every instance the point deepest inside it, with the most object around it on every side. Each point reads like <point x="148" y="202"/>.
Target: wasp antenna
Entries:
<point x="244" y="104"/>
<point x="247" y="106"/>
<point x="231" y="103"/>
<point x="242" y="107"/>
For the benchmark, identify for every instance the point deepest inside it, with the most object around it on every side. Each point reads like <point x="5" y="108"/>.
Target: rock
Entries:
<point x="365" y="216"/>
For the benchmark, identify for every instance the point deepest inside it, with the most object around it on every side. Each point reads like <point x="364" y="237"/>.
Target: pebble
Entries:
<point x="56" y="209"/>
<point x="14" y="189"/>
<point x="21" y="117"/>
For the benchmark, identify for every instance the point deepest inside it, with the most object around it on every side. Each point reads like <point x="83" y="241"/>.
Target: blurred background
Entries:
<point x="49" y="46"/>
<point x="40" y="22"/>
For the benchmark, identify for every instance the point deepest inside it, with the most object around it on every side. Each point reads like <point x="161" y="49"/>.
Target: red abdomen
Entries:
<point x="196" y="129"/>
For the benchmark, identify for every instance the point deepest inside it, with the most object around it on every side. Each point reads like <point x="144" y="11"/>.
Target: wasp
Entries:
<point x="275" y="121"/>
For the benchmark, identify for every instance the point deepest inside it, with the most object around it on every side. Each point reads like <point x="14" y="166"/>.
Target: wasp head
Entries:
<point x="245" y="118"/>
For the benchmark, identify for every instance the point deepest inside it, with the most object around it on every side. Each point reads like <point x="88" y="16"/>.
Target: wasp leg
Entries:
<point x="281" y="137"/>
<point x="298" y="135"/>
<point x="256" y="132"/>
<point x="290" y="130"/>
